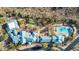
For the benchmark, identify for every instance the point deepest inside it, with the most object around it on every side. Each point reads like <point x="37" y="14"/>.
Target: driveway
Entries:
<point x="73" y="44"/>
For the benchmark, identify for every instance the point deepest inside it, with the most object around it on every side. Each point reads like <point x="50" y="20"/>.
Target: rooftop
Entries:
<point x="12" y="24"/>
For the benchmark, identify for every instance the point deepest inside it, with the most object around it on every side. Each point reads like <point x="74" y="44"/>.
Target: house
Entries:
<point x="58" y="39"/>
<point x="44" y="39"/>
<point x="15" y="39"/>
<point x="22" y="37"/>
<point x="11" y="25"/>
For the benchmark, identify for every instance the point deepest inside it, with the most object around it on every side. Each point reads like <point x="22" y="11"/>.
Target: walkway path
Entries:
<point x="73" y="44"/>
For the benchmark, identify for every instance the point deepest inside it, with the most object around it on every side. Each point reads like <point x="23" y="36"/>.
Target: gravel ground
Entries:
<point x="49" y="12"/>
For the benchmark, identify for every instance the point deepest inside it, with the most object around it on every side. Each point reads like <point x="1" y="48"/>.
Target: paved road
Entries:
<point x="72" y="45"/>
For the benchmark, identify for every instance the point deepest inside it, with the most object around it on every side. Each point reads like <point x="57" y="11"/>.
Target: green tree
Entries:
<point x="1" y="15"/>
<point x="5" y="36"/>
<point x="19" y="15"/>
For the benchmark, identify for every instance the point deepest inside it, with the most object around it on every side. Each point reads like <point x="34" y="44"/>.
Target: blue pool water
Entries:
<point x="65" y="29"/>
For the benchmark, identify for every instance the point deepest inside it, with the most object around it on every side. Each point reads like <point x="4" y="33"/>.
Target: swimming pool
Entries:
<point x="65" y="30"/>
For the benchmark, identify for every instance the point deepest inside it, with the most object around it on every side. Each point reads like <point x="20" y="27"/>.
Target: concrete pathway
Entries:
<point x="73" y="44"/>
